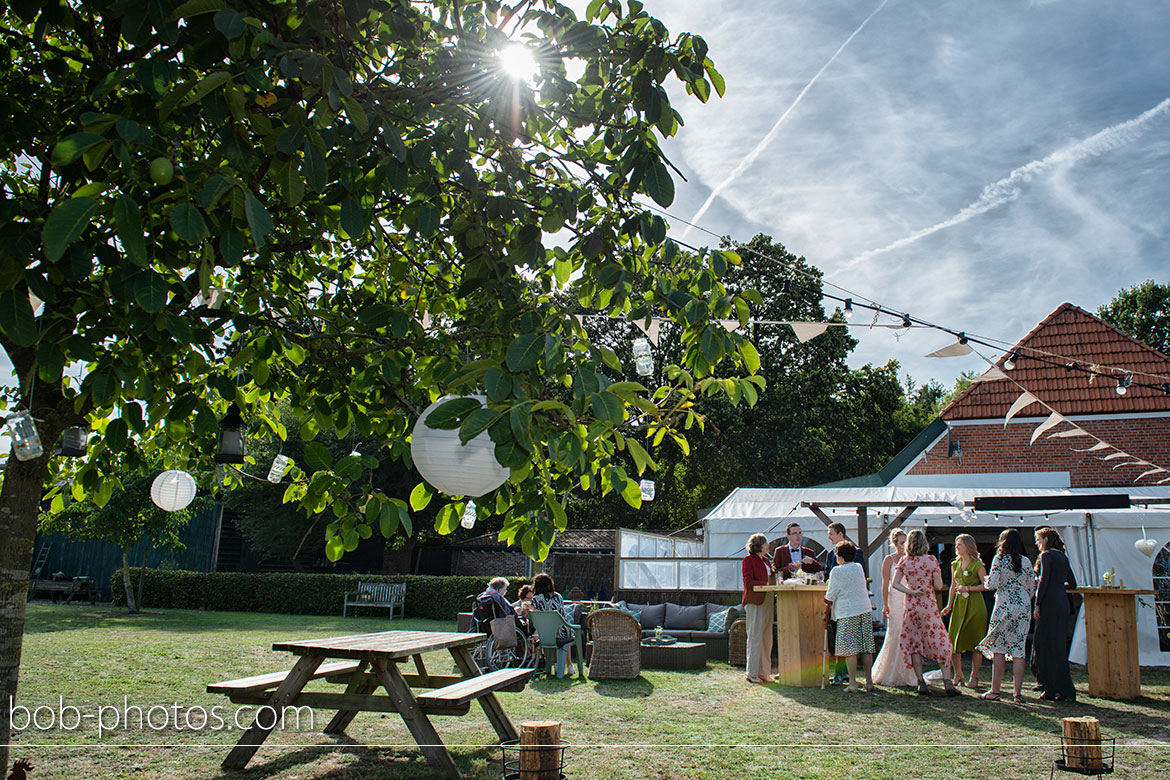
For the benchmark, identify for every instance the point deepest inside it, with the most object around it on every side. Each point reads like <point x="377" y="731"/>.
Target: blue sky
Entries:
<point x="974" y="164"/>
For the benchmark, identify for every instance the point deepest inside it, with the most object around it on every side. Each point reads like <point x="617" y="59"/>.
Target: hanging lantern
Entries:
<point x="279" y="466"/>
<point x="73" y="442"/>
<point x="643" y="359"/>
<point x="468" y="520"/>
<point x="230" y="446"/>
<point x="1146" y="546"/>
<point x="26" y="442"/>
<point x="172" y="490"/>
<point x="451" y="466"/>
<point x="647" y="488"/>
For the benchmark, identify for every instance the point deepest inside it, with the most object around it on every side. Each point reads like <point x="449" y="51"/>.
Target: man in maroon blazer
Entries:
<point x="791" y="556"/>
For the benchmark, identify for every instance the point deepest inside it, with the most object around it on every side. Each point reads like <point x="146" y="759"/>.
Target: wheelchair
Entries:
<point x="487" y="654"/>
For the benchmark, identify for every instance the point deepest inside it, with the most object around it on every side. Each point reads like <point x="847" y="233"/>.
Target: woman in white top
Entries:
<point x="851" y="609"/>
<point x="891" y="668"/>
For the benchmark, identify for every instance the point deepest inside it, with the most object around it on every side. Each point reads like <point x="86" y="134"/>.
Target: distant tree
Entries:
<point x="129" y="517"/>
<point x="1142" y="311"/>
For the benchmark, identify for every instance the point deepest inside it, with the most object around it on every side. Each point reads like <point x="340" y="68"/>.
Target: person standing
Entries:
<point x="1007" y="633"/>
<point x="968" y="615"/>
<point x="836" y="536"/>
<point x="923" y="634"/>
<point x="759" y="608"/>
<point x="891" y="668"/>
<point x="849" y="596"/>
<point x="792" y="557"/>
<point x="1050" y="641"/>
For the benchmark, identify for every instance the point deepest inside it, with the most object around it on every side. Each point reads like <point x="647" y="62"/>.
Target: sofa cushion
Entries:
<point x="706" y="636"/>
<point x="712" y="607"/>
<point x="653" y="615"/>
<point x="717" y="621"/>
<point x="690" y="618"/>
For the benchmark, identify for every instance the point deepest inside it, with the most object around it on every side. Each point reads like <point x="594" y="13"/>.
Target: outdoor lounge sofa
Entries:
<point x="687" y="624"/>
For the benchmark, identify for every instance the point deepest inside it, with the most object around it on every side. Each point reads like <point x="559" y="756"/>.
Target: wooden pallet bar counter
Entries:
<point x="800" y="632"/>
<point x="1111" y="641"/>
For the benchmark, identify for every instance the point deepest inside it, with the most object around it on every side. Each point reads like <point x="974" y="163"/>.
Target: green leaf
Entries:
<point x="353" y="219"/>
<point x="448" y="518"/>
<point x="626" y="390"/>
<point x="520" y="420"/>
<point x="641" y="458"/>
<point x="316" y="169"/>
<point x="317" y="458"/>
<point x="376" y="315"/>
<point x="207" y="85"/>
<point x="117" y="434"/>
<point x="65" y="224"/>
<point x="150" y="290"/>
<point x="195" y="8"/>
<point x="427" y="221"/>
<point x="72" y="147"/>
<point x="524" y="352"/>
<point x="393" y="141"/>
<point x="290" y="139"/>
<point x="356" y="114"/>
<point x="292" y="184"/>
<point x="711" y="344"/>
<point x="449" y="414"/>
<point x="231" y="246"/>
<point x="498" y="385"/>
<point x="334" y="549"/>
<point x="477" y="422"/>
<point x="259" y="220"/>
<point x="607" y="407"/>
<point x="188" y="223"/>
<point x="511" y="454"/>
<point x="16" y="317"/>
<point x="231" y="23"/>
<point x="387" y="520"/>
<point x="751" y="357"/>
<point x="659" y="185"/>
<point x="632" y="493"/>
<point x="128" y="222"/>
<point x="560" y="519"/>
<point x="214" y="189"/>
<point x="420" y="496"/>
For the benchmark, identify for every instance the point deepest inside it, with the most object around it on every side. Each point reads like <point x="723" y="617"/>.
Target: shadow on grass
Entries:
<point x="636" y="688"/>
<point x="366" y="762"/>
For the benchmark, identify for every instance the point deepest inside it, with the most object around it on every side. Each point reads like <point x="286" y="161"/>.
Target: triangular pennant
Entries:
<point x="1127" y="463"/>
<point x="1116" y="455"/>
<point x="1163" y="481"/>
<point x="426" y="320"/>
<point x="652" y="330"/>
<point x="1053" y="420"/>
<point x="1101" y="445"/>
<point x="729" y="325"/>
<point x="1070" y="433"/>
<point x="1026" y="399"/>
<point x="806" y="331"/>
<point x="1154" y="470"/>
<point x="953" y="350"/>
<point x="991" y="374"/>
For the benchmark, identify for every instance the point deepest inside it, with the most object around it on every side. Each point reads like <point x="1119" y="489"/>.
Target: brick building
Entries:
<point x="579" y="559"/>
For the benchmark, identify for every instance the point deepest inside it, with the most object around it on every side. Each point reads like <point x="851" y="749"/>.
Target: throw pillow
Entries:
<point x="717" y="621"/>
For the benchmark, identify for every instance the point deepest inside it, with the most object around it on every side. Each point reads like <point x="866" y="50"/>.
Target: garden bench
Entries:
<point x="377" y="594"/>
<point x="76" y="587"/>
<point x="458" y="696"/>
<point x="262" y="682"/>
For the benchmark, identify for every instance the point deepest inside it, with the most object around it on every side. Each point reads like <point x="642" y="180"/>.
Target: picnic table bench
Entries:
<point x="372" y="661"/>
<point x="377" y="594"/>
<point x="78" y="586"/>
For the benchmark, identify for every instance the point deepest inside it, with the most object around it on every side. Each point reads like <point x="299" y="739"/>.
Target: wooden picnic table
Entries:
<point x="372" y="661"/>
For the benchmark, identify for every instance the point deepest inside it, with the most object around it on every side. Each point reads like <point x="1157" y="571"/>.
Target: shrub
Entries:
<point x="427" y="596"/>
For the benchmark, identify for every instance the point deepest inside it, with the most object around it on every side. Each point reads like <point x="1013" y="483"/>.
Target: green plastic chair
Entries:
<point x="547" y="624"/>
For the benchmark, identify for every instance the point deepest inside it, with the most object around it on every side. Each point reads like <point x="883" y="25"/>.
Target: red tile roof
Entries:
<point x="1070" y="334"/>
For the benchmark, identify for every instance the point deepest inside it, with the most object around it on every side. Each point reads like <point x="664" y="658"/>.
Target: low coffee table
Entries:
<point x="680" y="655"/>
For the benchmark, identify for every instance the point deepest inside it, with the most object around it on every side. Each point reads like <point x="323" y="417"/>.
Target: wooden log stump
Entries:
<point x="1082" y="743"/>
<point x="540" y="751"/>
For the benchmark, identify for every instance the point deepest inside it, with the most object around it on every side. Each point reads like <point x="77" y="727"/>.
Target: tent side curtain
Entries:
<point x="648" y="561"/>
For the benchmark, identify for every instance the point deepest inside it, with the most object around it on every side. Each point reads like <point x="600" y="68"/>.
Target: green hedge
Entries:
<point x="438" y="598"/>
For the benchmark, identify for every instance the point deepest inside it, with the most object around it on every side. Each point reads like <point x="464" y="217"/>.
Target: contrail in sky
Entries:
<point x="767" y="139"/>
<point x="1007" y="189"/>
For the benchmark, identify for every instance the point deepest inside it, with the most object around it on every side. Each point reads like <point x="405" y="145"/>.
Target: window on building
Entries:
<point x="1162" y="597"/>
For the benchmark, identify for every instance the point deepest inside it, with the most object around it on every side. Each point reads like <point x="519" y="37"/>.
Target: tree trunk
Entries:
<point x="131" y="604"/>
<point x="20" y="503"/>
<point x="142" y="573"/>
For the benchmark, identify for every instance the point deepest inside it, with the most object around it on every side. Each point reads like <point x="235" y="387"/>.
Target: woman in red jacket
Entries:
<point x="759" y="609"/>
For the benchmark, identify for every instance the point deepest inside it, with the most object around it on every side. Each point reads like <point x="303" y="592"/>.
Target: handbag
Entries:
<point x="504" y="631"/>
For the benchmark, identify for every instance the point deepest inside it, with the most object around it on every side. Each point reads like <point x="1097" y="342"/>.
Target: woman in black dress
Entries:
<point x="1050" y="641"/>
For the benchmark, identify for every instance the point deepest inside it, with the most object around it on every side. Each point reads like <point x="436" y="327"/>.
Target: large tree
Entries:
<point x="1142" y="311"/>
<point x="347" y="208"/>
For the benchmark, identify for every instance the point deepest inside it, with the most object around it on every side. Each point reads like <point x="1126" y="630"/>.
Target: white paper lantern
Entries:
<point x="643" y="358"/>
<point x="647" y="488"/>
<point x="468" y="520"/>
<point x="279" y="465"/>
<point x="448" y="465"/>
<point x="172" y="490"/>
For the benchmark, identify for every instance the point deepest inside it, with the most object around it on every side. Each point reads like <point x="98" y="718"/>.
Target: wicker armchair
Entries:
<point x="737" y="643"/>
<point x="617" y="645"/>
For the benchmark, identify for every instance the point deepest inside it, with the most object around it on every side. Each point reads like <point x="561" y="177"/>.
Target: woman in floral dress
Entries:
<point x="890" y="668"/>
<point x="1007" y="634"/>
<point x="923" y="633"/>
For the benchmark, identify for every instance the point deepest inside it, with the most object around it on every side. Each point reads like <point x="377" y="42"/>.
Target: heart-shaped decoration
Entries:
<point x="1146" y="546"/>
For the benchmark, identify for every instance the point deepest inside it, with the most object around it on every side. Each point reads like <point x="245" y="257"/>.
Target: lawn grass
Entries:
<point x="703" y="724"/>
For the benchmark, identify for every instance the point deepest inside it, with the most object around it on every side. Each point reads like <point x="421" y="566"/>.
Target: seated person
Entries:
<point x="495" y="595"/>
<point x="525" y="601"/>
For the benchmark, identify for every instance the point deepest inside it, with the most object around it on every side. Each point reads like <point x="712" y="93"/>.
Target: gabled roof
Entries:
<point x="1070" y="334"/>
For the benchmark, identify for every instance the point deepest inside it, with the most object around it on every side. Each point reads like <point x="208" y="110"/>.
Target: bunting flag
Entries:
<point x="1100" y="445"/>
<point x="953" y="350"/>
<point x="1025" y="400"/>
<point x="426" y="320"/>
<point x="806" y="331"/>
<point x="1053" y="420"/>
<point x="1154" y="470"/>
<point x="729" y="325"/>
<point x="992" y="373"/>
<point x="1115" y="456"/>
<point x="1070" y="433"/>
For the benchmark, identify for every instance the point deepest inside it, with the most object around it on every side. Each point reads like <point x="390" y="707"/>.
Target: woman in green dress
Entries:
<point x="968" y="615"/>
